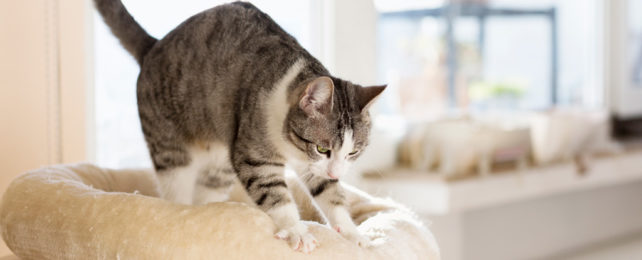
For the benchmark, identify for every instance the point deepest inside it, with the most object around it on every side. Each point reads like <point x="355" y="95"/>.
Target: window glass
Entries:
<point x="635" y="41"/>
<point x="487" y="55"/>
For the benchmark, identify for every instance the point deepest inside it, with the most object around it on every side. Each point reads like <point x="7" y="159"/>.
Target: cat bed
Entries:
<point x="86" y="212"/>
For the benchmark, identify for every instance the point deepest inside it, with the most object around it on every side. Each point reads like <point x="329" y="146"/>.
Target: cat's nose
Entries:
<point x="332" y="175"/>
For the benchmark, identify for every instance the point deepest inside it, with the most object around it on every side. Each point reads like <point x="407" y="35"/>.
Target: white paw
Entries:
<point x="298" y="238"/>
<point x="354" y="236"/>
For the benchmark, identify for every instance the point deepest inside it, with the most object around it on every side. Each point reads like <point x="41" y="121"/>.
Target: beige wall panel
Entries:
<point x="24" y="134"/>
<point x="43" y="85"/>
<point x="74" y="78"/>
<point x="24" y="80"/>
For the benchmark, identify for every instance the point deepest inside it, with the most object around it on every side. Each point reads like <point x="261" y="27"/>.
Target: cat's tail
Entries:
<point x="131" y="35"/>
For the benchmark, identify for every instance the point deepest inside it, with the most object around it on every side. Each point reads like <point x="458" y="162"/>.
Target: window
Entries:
<point x="488" y="55"/>
<point x="119" y="139"/>
<point x="635" y="41"/>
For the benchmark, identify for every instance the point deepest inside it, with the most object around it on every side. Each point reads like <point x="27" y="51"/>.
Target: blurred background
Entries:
<point x="512" y="127"/>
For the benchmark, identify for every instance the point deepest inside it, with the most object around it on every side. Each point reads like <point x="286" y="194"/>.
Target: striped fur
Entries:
<point x="228" y="95"/>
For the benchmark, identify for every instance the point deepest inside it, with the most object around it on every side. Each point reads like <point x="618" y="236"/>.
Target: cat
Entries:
<point x="229" y="94"/>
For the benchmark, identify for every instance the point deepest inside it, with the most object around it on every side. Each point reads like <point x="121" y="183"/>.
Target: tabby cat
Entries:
<point x="229" y="94"/>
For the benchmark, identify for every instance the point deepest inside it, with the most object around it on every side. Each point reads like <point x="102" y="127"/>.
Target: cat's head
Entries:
<point x="329" y="124"/>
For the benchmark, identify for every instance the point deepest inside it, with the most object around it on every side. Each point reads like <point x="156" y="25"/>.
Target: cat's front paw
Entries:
<point x="354" y="236"/>
<point x="298" y="238"/>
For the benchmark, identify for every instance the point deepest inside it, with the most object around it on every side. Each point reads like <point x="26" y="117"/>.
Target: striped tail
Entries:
<point x="131" y="35"/>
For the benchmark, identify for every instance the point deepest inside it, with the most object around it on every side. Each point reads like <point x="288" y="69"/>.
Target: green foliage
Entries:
<point x="491" y="90"/>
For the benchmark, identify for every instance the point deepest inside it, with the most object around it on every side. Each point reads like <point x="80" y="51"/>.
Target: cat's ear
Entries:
<point x="317" y="97"/>
<point x="367" y="96"/>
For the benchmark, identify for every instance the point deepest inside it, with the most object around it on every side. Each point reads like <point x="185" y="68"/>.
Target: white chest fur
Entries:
<point x="276" y="107"/>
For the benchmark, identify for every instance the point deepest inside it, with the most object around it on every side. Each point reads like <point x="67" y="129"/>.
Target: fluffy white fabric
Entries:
<point x="85" y="212"/>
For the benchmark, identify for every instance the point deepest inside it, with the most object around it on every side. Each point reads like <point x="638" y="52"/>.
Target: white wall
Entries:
<point x="349" y="40"/>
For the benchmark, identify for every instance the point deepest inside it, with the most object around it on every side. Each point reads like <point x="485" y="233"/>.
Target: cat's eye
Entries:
<point x="353" y="152"/>
<point x="320" y="149"/>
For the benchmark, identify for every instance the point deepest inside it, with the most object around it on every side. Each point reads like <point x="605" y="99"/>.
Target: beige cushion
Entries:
<point x="85" y="212"/>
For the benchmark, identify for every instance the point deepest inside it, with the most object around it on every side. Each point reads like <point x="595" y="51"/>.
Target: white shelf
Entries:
<point x="428" y="194"/>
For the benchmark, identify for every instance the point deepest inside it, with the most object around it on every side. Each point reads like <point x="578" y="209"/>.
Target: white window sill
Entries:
<point x="429" y="194"/>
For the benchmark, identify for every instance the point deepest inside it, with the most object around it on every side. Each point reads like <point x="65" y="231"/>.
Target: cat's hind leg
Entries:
<point x="213" y="185"/>
<point x="177" y="178"/>
<point x="176" y="169"/>
<point x="174" y="163"/>
<point x="215" y="179"/>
